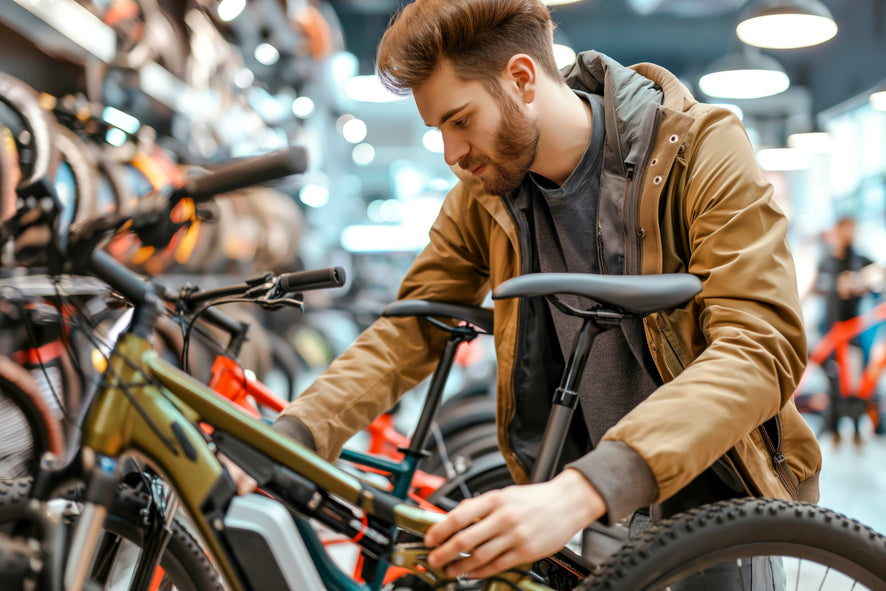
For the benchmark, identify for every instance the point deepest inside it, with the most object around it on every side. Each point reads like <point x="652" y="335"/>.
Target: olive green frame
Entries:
<point x="116" y="427"/>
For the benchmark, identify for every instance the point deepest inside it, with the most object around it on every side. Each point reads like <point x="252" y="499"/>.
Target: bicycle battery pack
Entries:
<point x="262" y="536"/>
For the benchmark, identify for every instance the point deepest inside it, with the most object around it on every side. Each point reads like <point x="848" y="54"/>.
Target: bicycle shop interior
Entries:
<point x="140" y="92"/>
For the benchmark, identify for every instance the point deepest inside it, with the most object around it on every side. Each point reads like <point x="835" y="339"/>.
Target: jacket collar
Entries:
<point x="627" y="93"/>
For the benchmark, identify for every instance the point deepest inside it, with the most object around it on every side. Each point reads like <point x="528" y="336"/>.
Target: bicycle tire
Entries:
<point x="28" y="429"/>
<point x="184" y="563"/>
<point x="18" y="560"/>
<point x="738" y="530"/>
<point x="462" y="448"/>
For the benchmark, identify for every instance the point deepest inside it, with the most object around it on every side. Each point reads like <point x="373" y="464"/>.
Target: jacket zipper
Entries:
<point x="779" y="461"/>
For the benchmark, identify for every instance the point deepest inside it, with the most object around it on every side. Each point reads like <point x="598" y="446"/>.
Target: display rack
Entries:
<point x="65" y="29"/>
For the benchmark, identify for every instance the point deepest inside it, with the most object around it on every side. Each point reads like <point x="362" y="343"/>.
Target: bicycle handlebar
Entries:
<point x="242" y="173"/>
<point x="309" y="280"/>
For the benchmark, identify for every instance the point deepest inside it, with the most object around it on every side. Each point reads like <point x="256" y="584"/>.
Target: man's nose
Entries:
<point x="454" y="149"/>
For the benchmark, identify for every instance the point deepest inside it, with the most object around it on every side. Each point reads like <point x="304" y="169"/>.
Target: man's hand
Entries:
<point x="245" y="483"/>
<point x="501" y="529"/>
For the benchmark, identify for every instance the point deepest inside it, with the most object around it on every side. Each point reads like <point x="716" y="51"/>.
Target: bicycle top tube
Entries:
<point x="633" y="294"/>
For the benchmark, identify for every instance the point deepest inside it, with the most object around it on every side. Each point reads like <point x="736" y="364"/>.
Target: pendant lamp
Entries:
<point x="786" y="24"/>
<point x="744" y="75"/>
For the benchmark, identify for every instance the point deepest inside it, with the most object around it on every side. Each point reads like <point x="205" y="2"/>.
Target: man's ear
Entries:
<point x="520" y="76"/>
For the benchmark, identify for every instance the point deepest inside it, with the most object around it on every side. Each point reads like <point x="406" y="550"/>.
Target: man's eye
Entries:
<point x="461" y="122"/>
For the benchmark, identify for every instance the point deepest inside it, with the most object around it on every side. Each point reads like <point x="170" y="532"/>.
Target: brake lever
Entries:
<point x="275" y="297"/>
<point x="275" y="303"/>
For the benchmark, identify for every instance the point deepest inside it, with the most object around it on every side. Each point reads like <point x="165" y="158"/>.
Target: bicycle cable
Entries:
<point x="186" y="345"/>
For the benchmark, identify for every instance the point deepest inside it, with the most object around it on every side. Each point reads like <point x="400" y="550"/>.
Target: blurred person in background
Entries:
<point x="841" y="280"/>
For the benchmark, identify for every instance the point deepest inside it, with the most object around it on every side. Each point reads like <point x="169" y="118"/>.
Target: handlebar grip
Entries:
<point x="242" y="173"/>
<point x="316" y="279"/>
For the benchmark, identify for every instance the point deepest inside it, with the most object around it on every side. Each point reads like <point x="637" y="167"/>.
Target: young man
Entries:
<point x="604" y="170"/>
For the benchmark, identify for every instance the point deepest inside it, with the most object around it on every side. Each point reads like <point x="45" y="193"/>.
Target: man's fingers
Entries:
<point x="462" y="545"/>
<point x="466" y="513"/>
<point x="484" y="553"/>
<point x="503" y="562"/>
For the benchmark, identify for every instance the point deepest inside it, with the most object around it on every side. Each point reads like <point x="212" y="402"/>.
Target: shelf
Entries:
<point x="61" y="27"/>
<point x="65" y="29"/>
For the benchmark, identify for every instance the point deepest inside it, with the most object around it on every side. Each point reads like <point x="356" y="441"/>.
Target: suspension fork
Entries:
<point x="103" y="475"/>
<point x="157" y="518"/>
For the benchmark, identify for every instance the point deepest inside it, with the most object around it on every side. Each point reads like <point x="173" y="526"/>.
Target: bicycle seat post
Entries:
<point x="564" y="401"/>
<point x="435" y="391"/>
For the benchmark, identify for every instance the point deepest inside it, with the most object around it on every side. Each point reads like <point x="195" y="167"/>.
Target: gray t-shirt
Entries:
<point x="565" y="218"/>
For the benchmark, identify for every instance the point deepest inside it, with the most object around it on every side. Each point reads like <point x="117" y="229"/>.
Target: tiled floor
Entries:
<point x="853" y="478"/>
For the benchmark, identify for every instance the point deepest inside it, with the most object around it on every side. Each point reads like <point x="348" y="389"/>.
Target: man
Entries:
<point x="840" y="279"/>
<point x="606" y="170"/>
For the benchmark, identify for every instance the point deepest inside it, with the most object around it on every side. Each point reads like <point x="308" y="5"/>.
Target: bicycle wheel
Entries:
<point x="183" y="565"/>
<point x="27" y="429"/>
<point x="762" y="543"/>
<point x="17" y="564"/>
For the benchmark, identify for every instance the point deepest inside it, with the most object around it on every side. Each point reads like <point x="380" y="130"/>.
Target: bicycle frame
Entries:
<point x="158" y="425"/>
<point x="382" y="455"/>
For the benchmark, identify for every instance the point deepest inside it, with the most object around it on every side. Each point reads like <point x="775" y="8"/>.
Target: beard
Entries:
<point x="517" y="144"/>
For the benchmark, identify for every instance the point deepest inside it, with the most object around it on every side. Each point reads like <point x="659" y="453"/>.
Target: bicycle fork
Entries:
<point x="103" y="478"/>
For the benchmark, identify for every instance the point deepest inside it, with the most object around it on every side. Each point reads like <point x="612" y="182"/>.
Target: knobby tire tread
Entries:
<point x="743" y="528"/>
<point x="16" y="562"/>
<point x="183" y="556"/>
<point x="17" y="386"/>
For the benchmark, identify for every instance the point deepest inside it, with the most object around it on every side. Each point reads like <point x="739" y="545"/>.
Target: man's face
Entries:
<point x="486" y="135"/>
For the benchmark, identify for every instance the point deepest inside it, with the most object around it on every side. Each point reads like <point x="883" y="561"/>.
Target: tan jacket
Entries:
<point x="696" y="202"/>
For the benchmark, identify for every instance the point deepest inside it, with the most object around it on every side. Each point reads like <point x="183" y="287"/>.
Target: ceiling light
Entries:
<point x="228" y="10"/>
<point x="782" y="159"/>
<point x="243" y="78"/>
<point x="354" y="130"/>
<point x="744" y="75"/>
<point x="369" y="89"/>
<point x="786" y="24"/>
<point x="314" y="195"/>
<point x="563" y="55"/>
<point x="812" y="142"/>
<point x="266" y="54"/>
<point x="302" y="107"/>
<point x="363" y="154"/>
<point x="878" y="100"/>
<point x="432" y="140"/>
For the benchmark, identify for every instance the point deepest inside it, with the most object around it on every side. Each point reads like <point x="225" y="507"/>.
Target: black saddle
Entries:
<point x="634" y="294"/>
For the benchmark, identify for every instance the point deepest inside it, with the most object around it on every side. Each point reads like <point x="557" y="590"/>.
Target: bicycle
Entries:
<point x="733" y="532"/>
<point x="229" y="379"/>
<point x="852" y="391"/>
<point x="146" y="408"/>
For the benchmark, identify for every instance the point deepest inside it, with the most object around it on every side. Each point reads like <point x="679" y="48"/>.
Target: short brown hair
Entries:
<point x="477" y="36"/>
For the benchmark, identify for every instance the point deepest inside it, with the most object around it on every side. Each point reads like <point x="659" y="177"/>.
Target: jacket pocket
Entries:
<point x="770" y="432"/>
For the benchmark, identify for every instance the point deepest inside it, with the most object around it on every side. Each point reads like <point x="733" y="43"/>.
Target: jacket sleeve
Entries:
<point x="747" y="350"/>
<point x="395" y="354"/>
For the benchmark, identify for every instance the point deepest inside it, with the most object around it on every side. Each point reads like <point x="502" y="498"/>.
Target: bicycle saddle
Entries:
<point x="479" y="317"/>
<point x="634" y="294"/>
